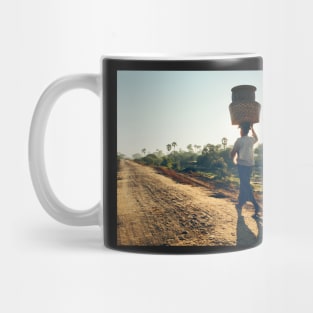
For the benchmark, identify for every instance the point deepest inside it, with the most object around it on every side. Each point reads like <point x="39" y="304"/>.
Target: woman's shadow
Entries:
<point x="245" y="236"/>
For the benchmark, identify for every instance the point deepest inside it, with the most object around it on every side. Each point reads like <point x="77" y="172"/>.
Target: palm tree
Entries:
<point x="174" y="144"/>
<point x="144" y="150"/>
<point x="169" y="147"/>
<point x="224" y="142"/>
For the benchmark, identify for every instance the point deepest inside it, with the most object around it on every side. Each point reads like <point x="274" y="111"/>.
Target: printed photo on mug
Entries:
<point x="181" y="152"/>
<point x="189" y="158"/>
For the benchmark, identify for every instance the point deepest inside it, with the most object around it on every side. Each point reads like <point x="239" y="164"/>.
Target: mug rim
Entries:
<point x="180" y="56"/>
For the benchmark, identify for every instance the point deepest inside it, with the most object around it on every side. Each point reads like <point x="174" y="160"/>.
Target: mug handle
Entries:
<point x="37" y="166"/>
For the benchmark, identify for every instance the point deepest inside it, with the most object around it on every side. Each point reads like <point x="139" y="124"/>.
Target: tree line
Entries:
<point x="211" y="159"/>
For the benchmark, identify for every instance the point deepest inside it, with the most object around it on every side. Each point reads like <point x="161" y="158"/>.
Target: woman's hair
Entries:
<point x="245" y="127"/>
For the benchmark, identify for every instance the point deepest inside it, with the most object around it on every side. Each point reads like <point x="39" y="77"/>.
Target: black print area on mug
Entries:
<point x="189" y="158"/>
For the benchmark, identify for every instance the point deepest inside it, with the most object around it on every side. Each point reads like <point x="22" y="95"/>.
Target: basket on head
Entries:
<point x="244" y="108"/>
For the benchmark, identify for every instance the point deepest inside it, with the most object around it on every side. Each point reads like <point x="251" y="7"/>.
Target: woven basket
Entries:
<point x="244" y="108"/>
<point x="244" y="112"/>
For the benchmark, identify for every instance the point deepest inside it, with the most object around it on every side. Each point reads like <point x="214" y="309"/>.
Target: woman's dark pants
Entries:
<point x="246" y="193"/>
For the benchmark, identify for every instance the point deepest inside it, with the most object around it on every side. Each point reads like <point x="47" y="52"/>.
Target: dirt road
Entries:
<point x="154" y="210"/>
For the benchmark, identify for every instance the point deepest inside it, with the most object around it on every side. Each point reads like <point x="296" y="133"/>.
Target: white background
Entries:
<point x="49" y="267"/>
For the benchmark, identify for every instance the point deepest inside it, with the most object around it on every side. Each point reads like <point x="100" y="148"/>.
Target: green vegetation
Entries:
<point x="210" y="161"/>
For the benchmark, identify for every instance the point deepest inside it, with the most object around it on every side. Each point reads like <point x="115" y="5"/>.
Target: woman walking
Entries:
<point x="242" y="154"/>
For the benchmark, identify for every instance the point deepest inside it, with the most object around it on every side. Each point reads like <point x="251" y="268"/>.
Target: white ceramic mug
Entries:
<point x="169" y="182"/>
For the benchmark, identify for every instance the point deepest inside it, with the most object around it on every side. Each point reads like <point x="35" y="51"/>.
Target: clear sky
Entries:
<point x="155" y="108"/>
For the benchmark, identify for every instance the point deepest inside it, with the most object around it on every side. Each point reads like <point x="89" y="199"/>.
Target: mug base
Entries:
<point x="183" y="249"/>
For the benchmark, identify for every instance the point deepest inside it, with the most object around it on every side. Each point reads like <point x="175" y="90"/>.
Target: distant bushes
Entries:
<point x="150" y="159"/>
<point x="212" y="159"/>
